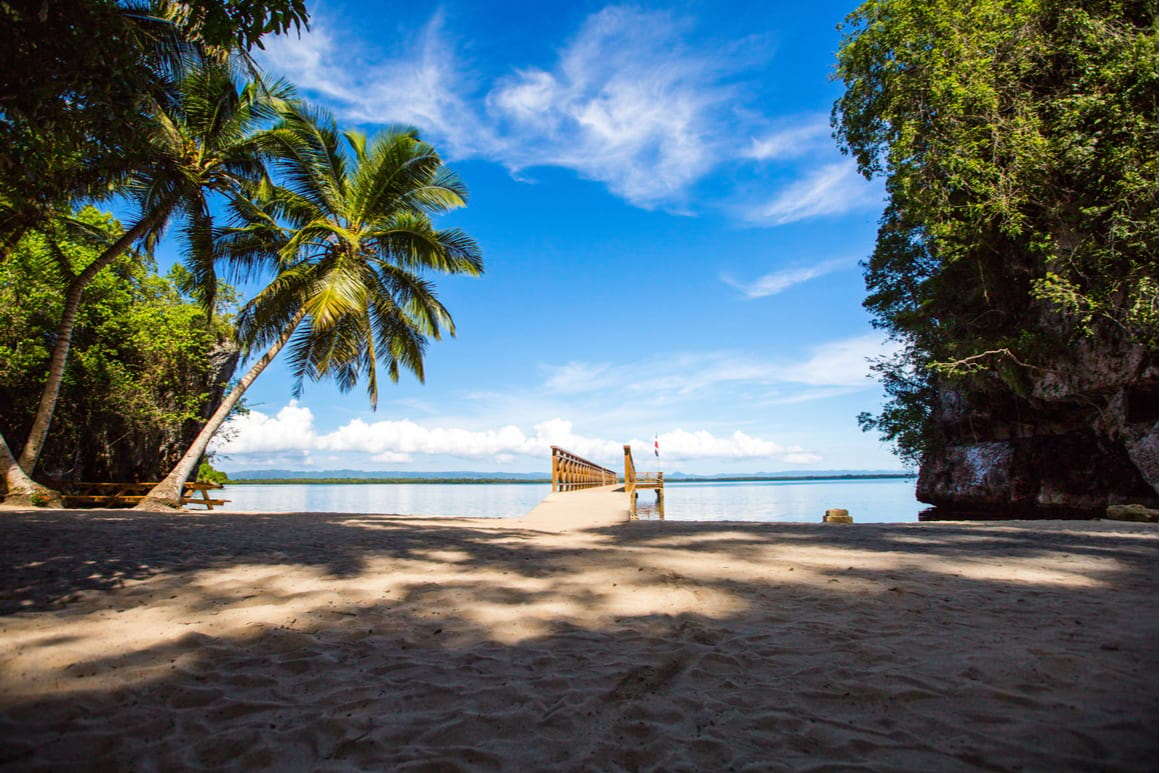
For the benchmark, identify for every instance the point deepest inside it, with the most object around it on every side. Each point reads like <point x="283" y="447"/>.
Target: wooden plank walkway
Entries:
<point x="573" y="475"/>
<point x="581" y="509"/>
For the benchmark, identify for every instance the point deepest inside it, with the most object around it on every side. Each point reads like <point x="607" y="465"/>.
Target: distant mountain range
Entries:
<point x="471" y="475"/>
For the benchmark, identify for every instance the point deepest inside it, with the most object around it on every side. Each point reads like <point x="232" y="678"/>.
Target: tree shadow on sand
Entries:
<point x="664" y="646"/>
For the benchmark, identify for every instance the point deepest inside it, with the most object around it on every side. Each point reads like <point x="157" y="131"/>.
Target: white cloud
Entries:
<point x="831" y="369"/>
<point x="779" y="281"/>
<point x="680" y="445"/>
<point x="828" y="190"/>
<point x="840" y="363"/>
<point x="390" y="457"/>
<point x="838" y="366"/>
<point x="628" y="102"/>
<point x="292" y="430"/>
<point x="578" y="377"/>
<point x="808" y="136"/>
<point x="803" y="458"/>
<point x="420" y="85"/>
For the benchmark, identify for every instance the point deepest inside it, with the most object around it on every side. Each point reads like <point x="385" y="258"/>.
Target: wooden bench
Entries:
<point x="79" y="494"/>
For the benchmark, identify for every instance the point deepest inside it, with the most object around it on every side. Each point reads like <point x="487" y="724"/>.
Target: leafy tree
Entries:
<point x="350" y="238"/>
<point x="81" y="83"/>
<point x="79" y="80"/>
<point x="204" y="144"/>
<point x="147" y="367"/>
<point x="1018" y="141"/>
<point x="207" y="473"/>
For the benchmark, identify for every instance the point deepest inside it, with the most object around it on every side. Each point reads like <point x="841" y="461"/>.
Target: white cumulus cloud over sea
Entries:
<point x="292" y="429"/>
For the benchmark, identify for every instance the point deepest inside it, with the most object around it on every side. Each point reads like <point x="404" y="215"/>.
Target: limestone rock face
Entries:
<point x="1077" y="437"/>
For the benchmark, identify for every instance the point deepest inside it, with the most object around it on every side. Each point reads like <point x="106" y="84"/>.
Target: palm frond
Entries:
<point x="348" y="229"/>
<point x="200" y="253"/>
<point x="396" y="165"/>
<point x="409" y="240"/>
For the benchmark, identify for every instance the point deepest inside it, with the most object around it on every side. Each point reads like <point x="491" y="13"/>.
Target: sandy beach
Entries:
<point x="314" y="641"/>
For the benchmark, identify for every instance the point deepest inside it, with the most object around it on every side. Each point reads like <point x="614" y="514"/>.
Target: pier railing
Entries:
<point x="571" y="472"/>
<point x="634" y="480"/>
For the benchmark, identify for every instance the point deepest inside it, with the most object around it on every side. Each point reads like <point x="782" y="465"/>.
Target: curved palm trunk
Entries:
<point x="20" y="488"/>
<point x="72" y="303"/>
<point x="166" y="495"/>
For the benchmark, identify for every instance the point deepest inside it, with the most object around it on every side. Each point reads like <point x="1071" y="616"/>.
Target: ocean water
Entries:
<point x="869" y="501"/>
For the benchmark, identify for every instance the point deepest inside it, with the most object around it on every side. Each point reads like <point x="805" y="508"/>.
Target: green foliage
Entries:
<point x="207" y="473"/>
<point x="234" y="24"/>
<point x="349" y="237"/>
<point x="40" y="499"/>
<point x="1018" y="141"/>
<point x="138" y="370"/>
<point x="208" y="142"/>
<point x="80" y="81"/>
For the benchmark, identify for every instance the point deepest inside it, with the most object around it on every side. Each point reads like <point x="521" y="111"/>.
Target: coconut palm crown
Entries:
<point x="348" y="237"/>
<point x="351" y="239"/>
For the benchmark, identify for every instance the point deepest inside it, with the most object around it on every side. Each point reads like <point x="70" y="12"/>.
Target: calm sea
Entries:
<point x="869" y="501"/>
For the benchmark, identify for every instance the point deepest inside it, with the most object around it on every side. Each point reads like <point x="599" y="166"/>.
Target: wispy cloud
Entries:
<point x="808" y="135"/>
<point x="629" y="101"/>
<point x="420" y="84"/>
<point x="779" y="281"/>
<point x="577" y="377"/>
<point x="832" y="189"/>
<point x="840" y="363"/>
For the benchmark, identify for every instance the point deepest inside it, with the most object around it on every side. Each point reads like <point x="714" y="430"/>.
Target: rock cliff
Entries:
<point x="1070" y="440"/>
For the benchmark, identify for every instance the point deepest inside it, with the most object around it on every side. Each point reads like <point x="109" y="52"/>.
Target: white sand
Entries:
<point x="338" y="642"/>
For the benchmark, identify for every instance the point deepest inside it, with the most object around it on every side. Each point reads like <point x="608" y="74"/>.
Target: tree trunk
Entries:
<point x="166" y="495"/>
<point x="72" y="302"/>
<point x="20" y="489"/>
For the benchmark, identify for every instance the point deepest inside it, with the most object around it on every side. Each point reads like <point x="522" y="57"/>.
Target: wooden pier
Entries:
<point x="635" y="481"/>
<point x="572" y="473"/>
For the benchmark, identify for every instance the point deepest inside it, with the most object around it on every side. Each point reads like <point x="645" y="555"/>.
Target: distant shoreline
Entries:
<point x="542" y="481"/>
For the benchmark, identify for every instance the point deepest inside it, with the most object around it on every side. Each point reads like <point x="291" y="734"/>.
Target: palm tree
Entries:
<point x="207" y="142"/>
<point x="19" y="489"/>
<point x="350" y="237"/>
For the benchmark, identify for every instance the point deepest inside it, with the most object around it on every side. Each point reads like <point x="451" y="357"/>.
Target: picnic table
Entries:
<point x="81" y="494"/>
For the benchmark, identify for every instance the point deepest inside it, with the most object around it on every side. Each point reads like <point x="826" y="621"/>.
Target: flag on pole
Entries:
<point x="656" y="447"/>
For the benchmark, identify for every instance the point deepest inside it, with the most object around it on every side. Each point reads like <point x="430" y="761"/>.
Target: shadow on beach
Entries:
<point x="302" y="641"/>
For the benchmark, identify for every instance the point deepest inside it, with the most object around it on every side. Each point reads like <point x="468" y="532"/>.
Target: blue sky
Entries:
<point x="670" y="234"/>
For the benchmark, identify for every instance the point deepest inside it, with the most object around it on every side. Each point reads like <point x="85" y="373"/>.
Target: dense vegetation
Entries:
<point x="1018" y="143"/>
<point x="147" y="363"/>
<point x="160" y="106"/>
<point x="80" y="81"/>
